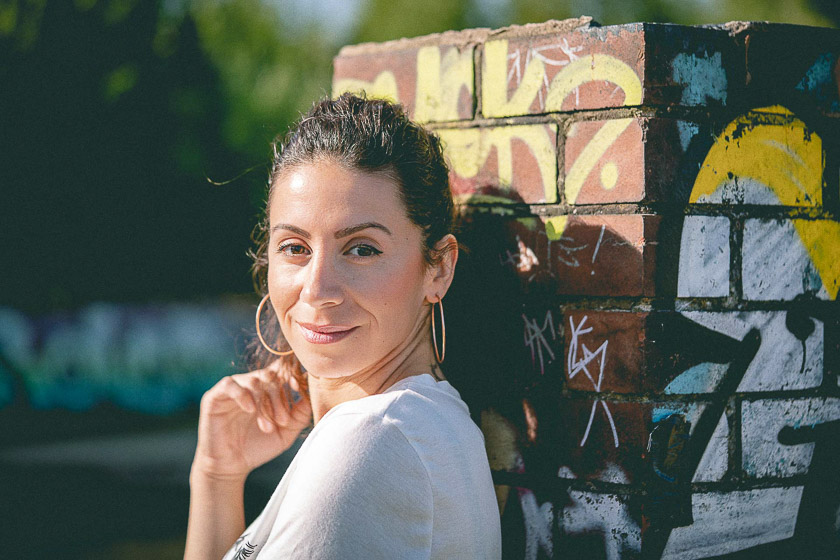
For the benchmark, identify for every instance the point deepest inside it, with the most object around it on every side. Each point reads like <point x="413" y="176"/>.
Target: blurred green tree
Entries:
<point x="115" y="112"/>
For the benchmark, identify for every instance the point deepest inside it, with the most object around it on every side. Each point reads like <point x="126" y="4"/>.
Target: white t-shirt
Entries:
<point x="398" y="475"/>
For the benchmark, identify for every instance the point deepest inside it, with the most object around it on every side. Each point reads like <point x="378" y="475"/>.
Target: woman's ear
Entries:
<point x="443" y="271"/>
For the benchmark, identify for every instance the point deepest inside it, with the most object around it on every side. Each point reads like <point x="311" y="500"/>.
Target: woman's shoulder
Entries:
<point x="418" y="398"/>
<point x="430" y="415"/>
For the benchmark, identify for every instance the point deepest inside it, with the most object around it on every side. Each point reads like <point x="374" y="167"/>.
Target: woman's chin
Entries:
<point x="323" y="367"/>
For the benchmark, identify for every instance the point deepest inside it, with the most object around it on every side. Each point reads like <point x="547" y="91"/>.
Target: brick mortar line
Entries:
<point x="659" y="208"/>
<point x="701" y="398"/>
<point x="736" y="260"/>
<point x="736" y="464"/>
<point x="733" y="453"/>
<point x="505" y="478"/>
<point x="637" y="304"/>
<point x="717" y="120"/>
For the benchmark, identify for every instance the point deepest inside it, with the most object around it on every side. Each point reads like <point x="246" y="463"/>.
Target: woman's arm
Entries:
<point x="217" y="515"/>
<point x="245" y="421"/>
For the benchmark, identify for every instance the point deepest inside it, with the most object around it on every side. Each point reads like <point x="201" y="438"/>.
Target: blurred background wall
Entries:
<point x="134" y="140"/>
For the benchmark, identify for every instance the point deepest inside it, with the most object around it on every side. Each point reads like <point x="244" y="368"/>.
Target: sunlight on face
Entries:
<point x="346" y="272"/>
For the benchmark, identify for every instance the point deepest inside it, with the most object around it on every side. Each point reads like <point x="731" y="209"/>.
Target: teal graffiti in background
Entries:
<point x="151" y="359"/>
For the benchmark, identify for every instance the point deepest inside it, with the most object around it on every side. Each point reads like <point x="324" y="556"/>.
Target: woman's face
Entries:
<point x="346" y="272"/>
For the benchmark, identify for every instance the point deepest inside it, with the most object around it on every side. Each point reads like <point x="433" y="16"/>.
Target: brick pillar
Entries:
<point x="666" y="201"/>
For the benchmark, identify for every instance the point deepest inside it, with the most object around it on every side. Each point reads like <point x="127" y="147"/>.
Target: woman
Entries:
<point x="356" y="254"/>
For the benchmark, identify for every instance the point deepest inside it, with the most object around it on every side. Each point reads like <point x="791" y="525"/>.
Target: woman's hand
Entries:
<point x="247" y="420"/>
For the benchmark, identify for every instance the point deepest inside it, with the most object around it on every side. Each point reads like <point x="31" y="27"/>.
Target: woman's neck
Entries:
<point x="413" y="357"/>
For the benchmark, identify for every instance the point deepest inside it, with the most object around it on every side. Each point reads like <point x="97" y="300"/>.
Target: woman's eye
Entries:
<point x="364" y="251"/>
<point x="292" y="249"/>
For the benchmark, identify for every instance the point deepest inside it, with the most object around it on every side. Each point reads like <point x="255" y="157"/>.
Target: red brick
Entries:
<point x="380" y="70"/>
<point x="624" y="160"/>
<point x="601" y="67"/>
<point x="504" y="164"/>
<point x="597" y="49"/>
<point x="580" y="260"/>
<point x="589" y="450"/>
<point x="541" y="328"/>
<point x="617" y="175"/>
<point x="604" y="351"/>
<point x="640" y="353"/>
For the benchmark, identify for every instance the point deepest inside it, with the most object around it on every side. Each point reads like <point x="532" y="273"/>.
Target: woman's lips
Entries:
<point x="324" y="334"/>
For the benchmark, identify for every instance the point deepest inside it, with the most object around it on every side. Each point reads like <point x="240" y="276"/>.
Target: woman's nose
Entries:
<point x="321" y="282"/>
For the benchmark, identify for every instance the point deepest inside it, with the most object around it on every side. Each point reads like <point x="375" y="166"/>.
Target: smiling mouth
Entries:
<point x="324" y="334"/>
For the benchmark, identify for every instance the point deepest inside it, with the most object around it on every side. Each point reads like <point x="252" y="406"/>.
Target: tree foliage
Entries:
<point x="115" y="112"/>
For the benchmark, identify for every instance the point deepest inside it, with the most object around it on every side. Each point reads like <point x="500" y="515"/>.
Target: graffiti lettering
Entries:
<point x="536" y="340"/>
<point x="575" y="366"/>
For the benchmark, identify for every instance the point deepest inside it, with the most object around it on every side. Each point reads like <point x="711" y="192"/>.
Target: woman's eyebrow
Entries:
<point x="293" y="229"/>
<point x="353" y="229"/>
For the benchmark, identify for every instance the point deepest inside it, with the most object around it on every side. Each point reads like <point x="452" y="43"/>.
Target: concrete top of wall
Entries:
<point x="482" y="34"/>
<point x="468" y="36"/>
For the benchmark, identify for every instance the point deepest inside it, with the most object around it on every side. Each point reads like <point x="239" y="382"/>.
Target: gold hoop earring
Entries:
<point x="259" y="333"/>
<point x="442" y="354"/>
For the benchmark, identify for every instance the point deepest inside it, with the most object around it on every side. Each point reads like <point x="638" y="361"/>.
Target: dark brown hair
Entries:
<point x="372" y="135"/>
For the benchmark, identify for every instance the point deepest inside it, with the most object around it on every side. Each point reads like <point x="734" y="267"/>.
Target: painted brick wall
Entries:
<point x="652" y="212"/>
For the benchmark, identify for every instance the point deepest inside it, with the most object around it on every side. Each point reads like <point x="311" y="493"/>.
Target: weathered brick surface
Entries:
<point x="605" y="351"/>
<point x="588" y="68"/>
<point x="765" y="452"/>
<point x="435" y="83"/>
<point x="504" y="164"/>
<point x="605" y="255"/>
<point x="766" y="156"/>
<point x="704" y="259"/>
<point x="604" y="162"/>
<point x="690" y="66"/>
<point x="735" y="520"/>
<point x="624" y="159"/>
<point x="603" y="439"/>
<point x="601" y="67"/>
<point x="785" y="258"/>
<point x="785" y="360"/>
<point x="660" y="203"/>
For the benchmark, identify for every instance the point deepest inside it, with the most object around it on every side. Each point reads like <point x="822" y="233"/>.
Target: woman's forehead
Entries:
<point x="331" y="194"/>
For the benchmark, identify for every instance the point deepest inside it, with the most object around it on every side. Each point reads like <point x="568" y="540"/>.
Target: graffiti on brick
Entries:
<point x="537" y="340"/>
<point x="503" y="164"/>
<point x="592" y="255"/>
<point x="580" y="359"/>
<point x="551" y="77"/>
<point x="435" y="83"/>
<point x="768" y="156"/>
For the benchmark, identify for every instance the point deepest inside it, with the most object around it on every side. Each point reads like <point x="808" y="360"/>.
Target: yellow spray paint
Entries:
<point x="439" y="83"/>
<point x="555" y="226"/>
<point x="822" y="240"/>
<point x="468" y="149"/>
<point x="384" y="86"/>
<point x="595" y="67"/>
<point x="494" y="96"/>
<point x="788" y="159"/>
<point x="591" y="155"/>
<point x="577" y="73"/>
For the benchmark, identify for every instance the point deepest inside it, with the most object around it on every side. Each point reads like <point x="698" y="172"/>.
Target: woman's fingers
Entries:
<point x="264" y="424"/>
<point x="239" y="394"/>
<point x="301" y="412"/>
<point x="268" y="393"/>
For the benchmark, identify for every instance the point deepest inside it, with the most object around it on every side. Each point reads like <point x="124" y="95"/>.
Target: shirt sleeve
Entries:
<point x="361" y="491"/>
